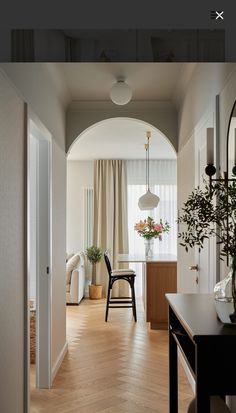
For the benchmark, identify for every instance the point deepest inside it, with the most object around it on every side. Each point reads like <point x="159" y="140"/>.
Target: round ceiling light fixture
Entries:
<point x="121" y="93"/>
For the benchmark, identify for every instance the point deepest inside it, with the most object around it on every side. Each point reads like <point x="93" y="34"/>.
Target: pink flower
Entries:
<point x="158" y="227"/>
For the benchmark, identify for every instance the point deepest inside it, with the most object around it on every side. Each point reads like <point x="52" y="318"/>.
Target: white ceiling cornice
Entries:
<point x="108" y="105"/>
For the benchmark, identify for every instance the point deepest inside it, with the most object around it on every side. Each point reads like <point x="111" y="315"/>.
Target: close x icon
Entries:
<point x="217" y="15"/>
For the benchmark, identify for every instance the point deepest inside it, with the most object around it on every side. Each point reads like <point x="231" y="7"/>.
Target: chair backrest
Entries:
<point x="108" y="264"/>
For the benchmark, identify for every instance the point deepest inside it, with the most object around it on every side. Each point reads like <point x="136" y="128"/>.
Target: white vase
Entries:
<point x="224" y="308"/>
<point x="149" y="245"/>
<point x="224" y="302"/>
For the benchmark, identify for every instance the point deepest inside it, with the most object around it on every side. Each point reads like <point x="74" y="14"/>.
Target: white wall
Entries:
<point x="79" y="176"/>
<point x="12" y="249"/>
<point x="37" y="87"/>
<point x="208" y="80"/>
<point x="40" y="88"/>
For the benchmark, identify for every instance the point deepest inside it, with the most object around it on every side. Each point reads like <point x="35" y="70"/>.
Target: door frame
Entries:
<point x="43" y="374"/>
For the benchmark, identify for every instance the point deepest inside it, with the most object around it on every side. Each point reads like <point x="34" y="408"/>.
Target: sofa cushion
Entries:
<point x="71" y="265"/>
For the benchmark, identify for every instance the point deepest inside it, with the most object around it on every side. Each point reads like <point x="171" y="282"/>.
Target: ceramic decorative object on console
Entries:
<point x="224" y="301"/>
<point x="149" y="230"/>
<point x="211" y="212"/>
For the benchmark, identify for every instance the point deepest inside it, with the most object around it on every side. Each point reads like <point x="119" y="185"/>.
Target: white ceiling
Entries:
<point x="120" y="138"/>
<point x="149" y="81"/>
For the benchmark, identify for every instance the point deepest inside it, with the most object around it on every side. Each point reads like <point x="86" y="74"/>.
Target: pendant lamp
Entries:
<point x="149" y="200"/>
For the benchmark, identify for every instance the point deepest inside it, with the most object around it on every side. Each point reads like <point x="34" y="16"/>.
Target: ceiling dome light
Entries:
<point x="121" y="93"/>
<point x="149" y="200"/>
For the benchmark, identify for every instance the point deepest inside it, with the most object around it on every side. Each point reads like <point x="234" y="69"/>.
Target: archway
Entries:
<point x="113" y="138"/>
<point x="161" y="116"/>
<point x="119" y="125"/>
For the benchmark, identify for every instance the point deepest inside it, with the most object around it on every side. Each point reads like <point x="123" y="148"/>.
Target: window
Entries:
<point x="163" y="184"/>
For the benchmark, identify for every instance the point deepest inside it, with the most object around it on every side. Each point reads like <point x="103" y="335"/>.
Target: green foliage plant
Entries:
<point x="211" y="212"/>
<point x="94" y="255"/>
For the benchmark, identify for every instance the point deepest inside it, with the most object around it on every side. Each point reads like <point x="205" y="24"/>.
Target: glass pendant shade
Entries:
<point x="121" y="93"/>
<point x="148" y="201"/>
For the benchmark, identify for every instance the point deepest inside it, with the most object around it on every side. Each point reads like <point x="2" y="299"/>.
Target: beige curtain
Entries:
<point x="110" y="217"/>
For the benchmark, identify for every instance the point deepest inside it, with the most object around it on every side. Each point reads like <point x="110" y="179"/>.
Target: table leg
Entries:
<point x="202" y="395"/>
<point x="173" y="374"/>
<point x="144" y="287"/>
<point x="202" y="402"/>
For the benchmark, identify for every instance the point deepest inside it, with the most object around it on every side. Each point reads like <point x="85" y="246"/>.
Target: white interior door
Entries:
<point x="186" y="181"/>
<point x="205" y="260"/>
<point x="42" y="236"/>
<point x="43" y="308"/>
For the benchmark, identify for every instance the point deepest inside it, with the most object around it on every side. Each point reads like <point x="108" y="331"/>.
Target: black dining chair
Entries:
<point x="116" y="275"/>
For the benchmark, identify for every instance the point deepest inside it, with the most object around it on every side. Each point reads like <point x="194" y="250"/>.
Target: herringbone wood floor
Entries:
<point x="114" y="367"/>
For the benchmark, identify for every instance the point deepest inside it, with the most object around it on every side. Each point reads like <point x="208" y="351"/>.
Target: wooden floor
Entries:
<point x="114" y="367"/>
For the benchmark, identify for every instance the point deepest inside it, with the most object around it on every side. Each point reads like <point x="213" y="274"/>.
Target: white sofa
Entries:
<point x="75" y="278"/>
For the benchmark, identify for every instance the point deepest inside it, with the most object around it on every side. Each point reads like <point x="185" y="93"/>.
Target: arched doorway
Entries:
<point x="119" y="138"/>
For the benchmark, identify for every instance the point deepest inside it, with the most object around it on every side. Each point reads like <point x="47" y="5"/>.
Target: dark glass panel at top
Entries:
<point x="113" y="46"/>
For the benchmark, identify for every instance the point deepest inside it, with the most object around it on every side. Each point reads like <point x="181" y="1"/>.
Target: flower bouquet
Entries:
<point x="149" y="229"/>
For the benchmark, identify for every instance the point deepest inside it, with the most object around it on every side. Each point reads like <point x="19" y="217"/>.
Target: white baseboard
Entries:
<point x="59" y="360"/>
<point x="187" y="371"/>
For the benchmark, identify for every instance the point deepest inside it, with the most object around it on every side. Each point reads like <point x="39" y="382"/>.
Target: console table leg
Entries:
<point x="202" y="395"/>
<point x="173" y="374"/>
<point x="202" y="403"/>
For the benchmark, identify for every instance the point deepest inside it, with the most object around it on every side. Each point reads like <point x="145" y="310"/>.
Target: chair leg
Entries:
<point x="108" y="299"/>
<point x="133" y="301"/>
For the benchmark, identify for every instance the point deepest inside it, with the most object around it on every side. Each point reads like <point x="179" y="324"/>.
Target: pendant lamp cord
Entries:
<point x="146" y="168"/>
<point x="148" y="165"/>
<point x="146" y="146"/>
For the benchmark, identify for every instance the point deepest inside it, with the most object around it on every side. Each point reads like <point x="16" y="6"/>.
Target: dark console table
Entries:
<point x="207" y="345"/>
